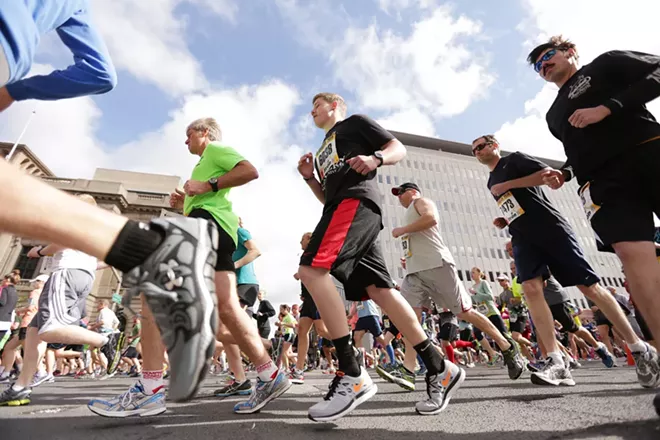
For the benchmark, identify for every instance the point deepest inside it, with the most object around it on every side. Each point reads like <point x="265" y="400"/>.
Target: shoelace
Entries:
<point x="430" y="386"/>
<point x="127" y="397"/>
<point x="334" y="385"/>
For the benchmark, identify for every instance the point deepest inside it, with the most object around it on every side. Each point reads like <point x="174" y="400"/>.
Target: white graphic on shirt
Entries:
<point x="580" y="86"/>
<point x="327" y="158"/>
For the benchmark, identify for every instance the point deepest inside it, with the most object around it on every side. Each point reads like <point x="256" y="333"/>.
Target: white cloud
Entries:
<point x="390" y="6"/>
<point x="595" y="30"/>
<point x="149" y="40"/>
<point x="409" y="121"/>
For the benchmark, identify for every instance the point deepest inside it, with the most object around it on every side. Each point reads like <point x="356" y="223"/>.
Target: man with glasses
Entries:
<point x="612" y="143"/>
<point x="543" y="243"/>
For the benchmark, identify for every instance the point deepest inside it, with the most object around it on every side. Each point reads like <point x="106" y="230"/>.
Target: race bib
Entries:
<point x="360" y="306"/>
<point x="405" y="245"/>
<point x="482" y="308"/>
<point x="327" y="156"/>
<point x="510" y="207"/>
<point x="590" y="208"/>
<point x="386" y="323"/>
<point x="512" y="317"/>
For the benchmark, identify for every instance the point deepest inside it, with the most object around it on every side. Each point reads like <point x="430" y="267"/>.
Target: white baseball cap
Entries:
<point x="43" y="277"/>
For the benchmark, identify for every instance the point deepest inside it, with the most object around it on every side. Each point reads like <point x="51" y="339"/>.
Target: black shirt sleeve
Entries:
<point x="638" y="71"/>
<point x="526" y="164"/>
<point x="375" y="135"/>
<point x="4" y="297"/>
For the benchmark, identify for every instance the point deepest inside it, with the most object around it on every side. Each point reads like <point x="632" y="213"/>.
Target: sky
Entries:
<point x="453" y="70"/>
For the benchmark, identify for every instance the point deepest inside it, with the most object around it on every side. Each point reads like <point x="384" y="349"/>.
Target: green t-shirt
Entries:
<point x="217" y="160"/>
<point x="288" y="319"/>
<point x="135" y="335"/>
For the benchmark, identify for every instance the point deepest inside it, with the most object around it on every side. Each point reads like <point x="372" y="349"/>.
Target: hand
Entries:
<point x="5" y="99"/>
<point x="195" y="187"/>
<point x="296" y="276"/>
<point x="553" y="178"/>
<point x="499" y="188"/>
<point x="500" y="223"/>
<point x="34" y="252"/>
<point x="306" y="166"/>
<point x="363" y="164"/>
<point x="586" y="116"/>
<point x="177" y="198"/>
<point x="472" y="291"/>
<point x="403" y="263"/>
<point x="398" y="232"/>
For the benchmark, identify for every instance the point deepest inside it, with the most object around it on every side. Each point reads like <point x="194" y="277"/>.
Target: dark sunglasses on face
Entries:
<point x="548" y="55"/>
<point x="480" y="147"/>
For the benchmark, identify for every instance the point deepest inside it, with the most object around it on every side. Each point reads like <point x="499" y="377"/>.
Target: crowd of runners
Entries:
<point x="198" y="288"/>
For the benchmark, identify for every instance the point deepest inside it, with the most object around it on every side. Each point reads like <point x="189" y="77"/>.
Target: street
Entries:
<point x="604" y="404"/>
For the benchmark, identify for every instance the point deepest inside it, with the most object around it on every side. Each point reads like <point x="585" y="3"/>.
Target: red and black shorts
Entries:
<point x="345" y="242"/>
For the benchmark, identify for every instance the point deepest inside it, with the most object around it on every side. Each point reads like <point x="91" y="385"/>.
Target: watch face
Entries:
<point x="213" y="180"/>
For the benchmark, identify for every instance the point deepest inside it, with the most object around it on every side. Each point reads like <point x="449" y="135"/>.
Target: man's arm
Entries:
<point x="316" y="188"/>
<point x="393" y="152"/>
<point x="51" y="249"/>
<point x="641" y="72"/>
<point x="428" y="216"/>
<point x="252" y="254"/>
<point x="92" y="71"/>
<point x="244" y="172"/>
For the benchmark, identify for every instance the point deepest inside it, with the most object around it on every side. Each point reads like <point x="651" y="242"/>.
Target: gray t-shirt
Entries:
<point x="554" y="293"/>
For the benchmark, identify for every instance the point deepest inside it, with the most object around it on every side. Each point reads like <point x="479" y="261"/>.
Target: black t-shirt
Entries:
<point x="621" y="80"/>
<point x="357" y="135"/>
<point x="531" y="215"/>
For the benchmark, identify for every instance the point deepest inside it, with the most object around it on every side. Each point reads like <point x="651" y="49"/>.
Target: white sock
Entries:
<point x="638" y="347"/>
<point x="152" y="381"/>
<point x="17" y="387"/>
<point x="557" y="358"/>
<point x="267" y="371"/>
<point x="601" y="346"/>
<point x="2" y="369"/>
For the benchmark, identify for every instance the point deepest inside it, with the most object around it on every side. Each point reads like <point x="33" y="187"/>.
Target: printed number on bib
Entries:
<point x="405" y="244"/>
<point x="327" y="157"/>
<point x="590" y="208"/>
<point x="510" y="207"/>
<point x="482" y="308"/>
<point x="512" y="318"/>
<point x="386" y="323"/>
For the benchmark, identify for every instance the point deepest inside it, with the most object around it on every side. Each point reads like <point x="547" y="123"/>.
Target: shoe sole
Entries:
<point x="179" y="390"/>
<point x="114" y="363"/>
<point x="517" y="373"/>
<point x="266" y="401"/>
<point x="297" y="381"/>
<point x="451" y="390"/>
<point x="368" y="394"/>
<point x="384" y="375"/>
<point x="20" y="402"/>
<point x="538" y="380"/>
<point x="403" y="383"/>
<point x="123" y="415"/>
<point x="238" y="393"/>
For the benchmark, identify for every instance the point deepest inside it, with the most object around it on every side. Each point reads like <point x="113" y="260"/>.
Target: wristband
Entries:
<point x="39" y="253"/>
<point x="307" y="179"/>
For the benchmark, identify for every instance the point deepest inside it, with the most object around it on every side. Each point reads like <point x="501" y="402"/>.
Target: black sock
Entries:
<point x="431" y="356"/>
<point x="346" y="356"/>
<point x="134" y="244"/>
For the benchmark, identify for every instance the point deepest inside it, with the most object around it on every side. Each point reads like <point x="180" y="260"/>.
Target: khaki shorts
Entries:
<point x="440" y="285"/>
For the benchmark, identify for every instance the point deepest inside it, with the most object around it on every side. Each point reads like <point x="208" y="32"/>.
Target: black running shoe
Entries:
<point x="9" y="397"/>
<point x="112" y="351"/>
<point x="177" y="281"/>
<point x="235" y="389"/>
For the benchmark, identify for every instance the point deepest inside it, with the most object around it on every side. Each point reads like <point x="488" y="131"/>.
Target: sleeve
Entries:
<point x="3" y="297"/>
<point x="226" y="158"/>
<point x="483" y="293"/>
<point x="567" y="170"/>
<point x="244" y="235"/>
<point x="91" y="73"/>
<point x="375" y="135"/>
<point x="526" y="164"/>
<point x="270" y="311"/>
<point x="638" y="72"/>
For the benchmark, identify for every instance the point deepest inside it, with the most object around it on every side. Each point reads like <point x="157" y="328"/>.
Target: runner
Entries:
<point x="543" y="243"/>
<point x="309" y="316"/>
<point x="511" y="298"/>
<point x="265" y="311"/>
<point x="219" y="169"/>
<point x="431" y="273"/>
<point x="345" y="243"/>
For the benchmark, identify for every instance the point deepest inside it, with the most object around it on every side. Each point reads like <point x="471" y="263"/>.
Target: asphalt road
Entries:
<point x="606" y="404"/>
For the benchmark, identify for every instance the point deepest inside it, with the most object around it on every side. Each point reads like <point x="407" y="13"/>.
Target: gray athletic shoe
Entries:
<point x="648" y="369"/>
<point x="553" y="374"/>
<point x="440" y="388"/>
<point x="177" y="281"/>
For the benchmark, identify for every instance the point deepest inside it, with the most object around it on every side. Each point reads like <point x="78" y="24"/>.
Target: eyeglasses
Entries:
<point x="481" y="147"/>
<point x="548" y="55"/>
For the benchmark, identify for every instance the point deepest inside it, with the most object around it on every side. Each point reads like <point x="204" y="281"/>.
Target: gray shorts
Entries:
<point x="62" y="300"/>
<point x="440" y="285"/>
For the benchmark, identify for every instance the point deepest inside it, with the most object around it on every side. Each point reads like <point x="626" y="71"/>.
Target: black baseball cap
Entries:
<point x="405" y="186"/>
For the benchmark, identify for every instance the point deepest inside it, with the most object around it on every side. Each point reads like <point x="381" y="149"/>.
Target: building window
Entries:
<point x="416" y="165"/>
<point x="437" y="167"/>
<point x="492" y="253"/>
<point x="387" y="179"/>
<point x="396" y="180"/>
<point x="616" y="282"/>
<point x="490" y="274"/>
<point x="27" y="266"/>
<point x="423" y="165"/>
<point x="485" y="252"/>
<point x="446" y="205"/>
<point x="460" y="274"/>
<point x="468" y="275"/>
<point x="400" y="272"/>
<point x="380" y="179"/>
<point x="499" y="254"/>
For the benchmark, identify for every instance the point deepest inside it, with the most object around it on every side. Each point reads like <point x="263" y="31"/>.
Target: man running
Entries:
<point x="345" y="244"/>
<point x="431" y="273"/>
<point x="543" y="243"/>
<point x="612" y="143"/>
<point x="206" y="196"/>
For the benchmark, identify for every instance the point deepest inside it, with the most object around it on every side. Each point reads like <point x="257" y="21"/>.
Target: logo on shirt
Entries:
<point x="581" y="85"/>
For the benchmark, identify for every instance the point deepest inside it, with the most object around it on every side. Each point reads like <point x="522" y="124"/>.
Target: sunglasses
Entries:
<point x="481" y="147"/>
<point x="548" y="55"/>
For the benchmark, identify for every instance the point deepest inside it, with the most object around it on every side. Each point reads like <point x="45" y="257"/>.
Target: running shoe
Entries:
<point x="38" y="379"/>
<point x="345" y="394"/>
<point x="263" y="393"/>
<point x="553" y="374"/>
<point x="514" y="361"/>
<point x="605" y="356"/>
<point x="112" y="350"/>
<point x="385" y="371"/>
<point x="440" y="388"/>
<point x="11" y="397"/>
<point x="235" y="388"/>
<point x="177" y="281"/>
<point x="648" y="370"/>
<point x="403" y="377"/>
<point x="534" y="367"/>
<point x="133" y="402"/>
<point x="574" y="365"/>
<point x="297" y="377"/>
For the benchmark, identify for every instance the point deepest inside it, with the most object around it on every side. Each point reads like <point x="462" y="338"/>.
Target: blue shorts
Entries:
<point x="370" y="324"/>
<point x="562" y="257"/>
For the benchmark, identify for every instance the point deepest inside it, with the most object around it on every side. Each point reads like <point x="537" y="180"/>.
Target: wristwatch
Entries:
<point x="379" y="155"/>
<point x="213" y="181"/>
<point x="39" y="252"/>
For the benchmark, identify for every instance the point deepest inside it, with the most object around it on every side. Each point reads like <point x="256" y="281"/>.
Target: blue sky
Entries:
<point x="453" y="70"/>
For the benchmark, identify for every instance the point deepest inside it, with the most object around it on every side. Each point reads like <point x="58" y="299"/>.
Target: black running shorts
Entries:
<point x="247" y="294"/>
<point x="345" y="242"/>
<point x="309" y="310"/>
<point x="497" y="321"/>
<point x="562" y="314"/>
<point x="226" y="245"/>
<point x="519" y="324"/>
<point x="643" y="326"/>
<point x="625" y="193"/>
